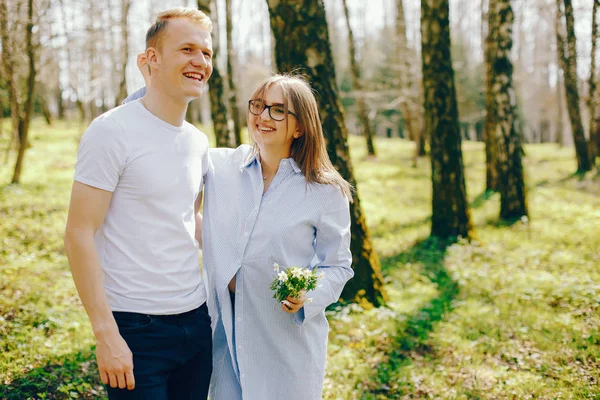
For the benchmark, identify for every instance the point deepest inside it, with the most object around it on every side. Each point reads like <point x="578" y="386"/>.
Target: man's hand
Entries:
<point x="293" y="304"/>
<point x="115" y="361"/>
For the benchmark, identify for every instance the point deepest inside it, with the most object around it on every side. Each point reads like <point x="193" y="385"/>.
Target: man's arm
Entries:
<point x="88" y="208"/>
<point x="198" y="217"/>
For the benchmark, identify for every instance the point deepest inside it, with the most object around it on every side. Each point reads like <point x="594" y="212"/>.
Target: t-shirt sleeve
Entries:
<point x="102" y="154"/>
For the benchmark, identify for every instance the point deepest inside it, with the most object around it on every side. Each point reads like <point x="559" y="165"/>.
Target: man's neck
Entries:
<point x="164" y="106"/>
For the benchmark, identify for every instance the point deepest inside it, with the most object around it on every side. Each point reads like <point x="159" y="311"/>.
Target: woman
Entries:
<point x="279" y="201"/>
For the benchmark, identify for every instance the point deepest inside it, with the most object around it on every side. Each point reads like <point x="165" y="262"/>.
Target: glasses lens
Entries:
<point x="256" y="107"/>
<point x="277" y="113"/>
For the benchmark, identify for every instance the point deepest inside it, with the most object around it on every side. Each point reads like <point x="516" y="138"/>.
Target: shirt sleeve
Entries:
<point x="332" y="247"/>
<point x="138" y="94"/>
<point x="102" y="154"/>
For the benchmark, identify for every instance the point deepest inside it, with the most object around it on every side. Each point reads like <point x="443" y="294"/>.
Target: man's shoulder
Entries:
<point x="193" y="130"/>
<point x="116" y="116"/>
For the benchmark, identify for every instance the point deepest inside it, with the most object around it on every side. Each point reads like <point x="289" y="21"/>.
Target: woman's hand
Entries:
<point x="293" y="304"/>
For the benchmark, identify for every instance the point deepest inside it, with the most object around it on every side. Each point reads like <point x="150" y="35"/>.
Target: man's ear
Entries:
<point x="152" y="57"/>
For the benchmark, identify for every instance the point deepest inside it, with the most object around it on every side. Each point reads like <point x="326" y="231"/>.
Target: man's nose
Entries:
<point x="199" y="60"/>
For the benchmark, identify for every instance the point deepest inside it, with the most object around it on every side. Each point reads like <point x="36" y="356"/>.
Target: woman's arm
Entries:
<point x="332" y="246"/>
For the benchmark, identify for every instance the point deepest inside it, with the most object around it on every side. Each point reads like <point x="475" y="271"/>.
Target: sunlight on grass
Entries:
<point x="513" y="314"/>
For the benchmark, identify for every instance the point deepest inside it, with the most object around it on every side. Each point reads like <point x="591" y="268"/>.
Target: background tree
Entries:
<point x="568" y="58"/>
<point x="502" y="119"/>
<point x="491" y="164"/>
<point x="592" y="99"/>
<point x="302" y="41"/>
<point x="450" y="214"/>
<point x="232" y="94"/>
<point x="21" y="111"/>
<point x="407" y="83"/>
<point x="218" y="108"/>
<point x="122" y="90"/>
<point x="363" y="112"/>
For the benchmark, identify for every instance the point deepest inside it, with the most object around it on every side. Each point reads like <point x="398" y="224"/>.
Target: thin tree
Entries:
<point x="21" y="111"/>
<point x="233" y="106"/>
<point x="302" y="41"/>
<point x="568" y="60"/>
<point x="450" y="213"/>
<point x="122" y="90"/>
<point x="216" y="90"/>
<point x="502" y="119"/>
<point x="409" y="97"/>
<point x="491" y="172"/>
<point x="592" y="99"/>
<point x="8" y="66"/>
<point x="363" y="112"/>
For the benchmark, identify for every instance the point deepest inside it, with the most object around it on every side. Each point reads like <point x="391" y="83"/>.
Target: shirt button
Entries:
<point x="246" y="233"/>
<point x="243" y="375"/>
<point x="240" y="347"/>
<point x="239" y="319"/>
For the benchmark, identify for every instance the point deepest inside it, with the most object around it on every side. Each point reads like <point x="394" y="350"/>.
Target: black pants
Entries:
<point x="172" y="355"/>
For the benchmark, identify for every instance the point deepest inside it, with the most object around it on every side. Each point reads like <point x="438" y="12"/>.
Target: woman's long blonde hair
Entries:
<point x="309" y="150"/>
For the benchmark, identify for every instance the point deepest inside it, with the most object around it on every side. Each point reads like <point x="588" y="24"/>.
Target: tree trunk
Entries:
<point x="592" y="145"/>
<point x="409" y="104"/>
<point x="30" y="89"/>
<point x="491" y="172"/>
<point x="218" y="108"/>
<point x="302" y="41"/>
<point x="235" y="112"/>
<point x="503" y="123"/>
<point x="45" y="109"/>
<point x="450" y="210"/>
<point x="9" y="67"/>
<point x="122" y="92"/>
<point x="568" y="58"/>
<point x="363" y="113"/>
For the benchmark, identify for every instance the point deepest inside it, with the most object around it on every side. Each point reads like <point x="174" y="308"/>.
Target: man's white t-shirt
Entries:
<point x="146" y="243"/>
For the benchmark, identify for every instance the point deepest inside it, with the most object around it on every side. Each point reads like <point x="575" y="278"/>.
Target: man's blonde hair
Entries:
<point x="156" y="31"/>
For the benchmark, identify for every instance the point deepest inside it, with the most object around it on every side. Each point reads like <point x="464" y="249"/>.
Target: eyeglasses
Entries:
<point x="276" y="111"/>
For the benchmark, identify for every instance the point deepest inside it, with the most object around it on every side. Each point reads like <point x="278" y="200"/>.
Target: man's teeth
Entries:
<point x="193" y="75"/>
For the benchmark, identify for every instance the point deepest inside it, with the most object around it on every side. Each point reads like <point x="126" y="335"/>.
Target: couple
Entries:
<point x="134" y="230"/>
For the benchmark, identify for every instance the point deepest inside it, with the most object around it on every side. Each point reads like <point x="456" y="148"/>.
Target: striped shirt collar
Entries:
<point x="255" y="157"/>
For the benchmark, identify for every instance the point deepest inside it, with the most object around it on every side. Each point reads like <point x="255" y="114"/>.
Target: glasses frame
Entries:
<point x="268" y="108"/>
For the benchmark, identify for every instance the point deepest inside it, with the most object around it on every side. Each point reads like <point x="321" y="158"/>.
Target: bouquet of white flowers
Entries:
<point x="294" y="282"/>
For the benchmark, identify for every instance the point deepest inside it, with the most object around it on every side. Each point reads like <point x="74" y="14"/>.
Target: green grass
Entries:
<point x="512" y="315"/>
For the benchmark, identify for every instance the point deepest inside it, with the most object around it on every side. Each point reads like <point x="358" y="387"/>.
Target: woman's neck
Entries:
<point x="270" y="161"/>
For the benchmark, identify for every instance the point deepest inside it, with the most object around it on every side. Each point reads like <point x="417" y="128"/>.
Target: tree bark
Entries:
<point x="302" y="41"/>
<point x="491" y="172"/>
<point x="25" y="116"/>
<point x="568" y="58"/>
<point x="363" y="113"/>
<point x="449" y="204"/>
<point x="503" y="123"/>
<point x="216" y="90"/>
<point x="592" y="103"/>
<point x="233" y="106"/>
<point x="122" y="92"/>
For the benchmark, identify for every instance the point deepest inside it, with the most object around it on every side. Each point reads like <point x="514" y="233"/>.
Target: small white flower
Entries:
<point x="322" y="275"/>
<point x="297" y="272"/>
<point x="307" y="273"/>
<point x="276" y="266"/>
<point x="282" y="276"/>
<point x="309" y="300"/>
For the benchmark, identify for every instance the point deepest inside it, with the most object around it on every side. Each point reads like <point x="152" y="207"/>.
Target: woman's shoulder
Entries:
<point x="225" y="155"/>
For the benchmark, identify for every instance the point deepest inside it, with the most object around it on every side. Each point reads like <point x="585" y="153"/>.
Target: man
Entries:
<point x="131" y="230"/>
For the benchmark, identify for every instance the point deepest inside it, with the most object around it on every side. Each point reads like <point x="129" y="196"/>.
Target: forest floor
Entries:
<point x="514" y="314"/>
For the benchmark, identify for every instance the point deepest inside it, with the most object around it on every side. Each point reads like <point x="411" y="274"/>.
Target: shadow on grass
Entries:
<point x="413" y="333"/>
<point x="73" y="376"/>
<point x="482" y="198"/>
